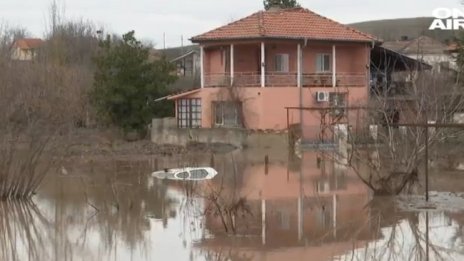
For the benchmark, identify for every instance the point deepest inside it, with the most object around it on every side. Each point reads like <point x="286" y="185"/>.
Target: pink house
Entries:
<point x="254" y="68"/>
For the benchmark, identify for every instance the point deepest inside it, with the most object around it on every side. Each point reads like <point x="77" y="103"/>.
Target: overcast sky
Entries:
<point x="151" y="18"/>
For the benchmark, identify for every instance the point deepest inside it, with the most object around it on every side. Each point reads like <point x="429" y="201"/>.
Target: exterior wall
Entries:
<point x="246" y="58"/>
<point x="352" y="58"/>
<point x="436" y="59"/>
<point x="214" y="60"/>
<point x="264" y="108"/>
<point x="22" y="54"/>
<point x="272" y="49"/>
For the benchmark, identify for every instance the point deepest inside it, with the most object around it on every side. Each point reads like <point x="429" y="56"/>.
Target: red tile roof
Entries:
<point x="28" y="43"/>
<point x="294" y="23"/>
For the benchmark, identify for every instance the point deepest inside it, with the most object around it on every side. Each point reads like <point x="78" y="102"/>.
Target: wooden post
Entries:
<point x="263" y="65"/>
<point x="427" y="243"/>
<point x="263" y="221"/>
<point x="266" y="165"/>
<point x="300" y="217"/>
<point x="427" y="163"/>
<point x="212" y="161"/>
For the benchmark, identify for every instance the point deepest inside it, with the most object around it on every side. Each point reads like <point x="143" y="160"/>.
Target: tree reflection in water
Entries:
<point x="424" y="235"/>
<point x="25" y="233"/>
<point x="90" y="217"/>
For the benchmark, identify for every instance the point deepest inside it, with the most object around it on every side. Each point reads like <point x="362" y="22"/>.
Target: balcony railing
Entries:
<point x="279" y="79"/>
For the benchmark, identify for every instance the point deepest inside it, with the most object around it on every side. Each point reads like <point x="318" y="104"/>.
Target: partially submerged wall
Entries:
<point x="165" y="131"/>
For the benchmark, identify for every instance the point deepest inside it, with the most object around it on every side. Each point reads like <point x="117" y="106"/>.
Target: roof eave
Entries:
<point x="255" y="38"/>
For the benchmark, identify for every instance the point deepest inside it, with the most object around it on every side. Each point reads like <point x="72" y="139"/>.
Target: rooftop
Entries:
<point x="292" y="23"/>
<point x="419" y="45"/>
<point x="28" y="43"/>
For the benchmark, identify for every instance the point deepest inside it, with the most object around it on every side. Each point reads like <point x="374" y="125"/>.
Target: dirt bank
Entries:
<point x="104" y="142"/>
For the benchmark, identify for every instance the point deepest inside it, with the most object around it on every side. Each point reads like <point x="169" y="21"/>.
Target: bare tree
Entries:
<point x="396" y="157"/>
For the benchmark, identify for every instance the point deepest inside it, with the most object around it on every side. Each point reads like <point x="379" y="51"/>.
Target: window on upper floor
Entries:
<point x="281" y="62"/>
<point x="323" y="62"/>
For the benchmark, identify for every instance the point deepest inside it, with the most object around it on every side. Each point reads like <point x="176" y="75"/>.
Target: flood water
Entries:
<point x="284" y="208"/>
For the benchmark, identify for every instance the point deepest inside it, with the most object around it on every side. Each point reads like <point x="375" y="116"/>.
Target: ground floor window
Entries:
<point x="227" y="114"/>
<point x="338" y="102"/>
<point x="189" y="113"/>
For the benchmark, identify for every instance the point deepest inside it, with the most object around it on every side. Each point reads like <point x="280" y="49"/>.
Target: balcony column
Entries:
<point x="231" y="64"/>
<point x="263" y="65"/>
<point x="299" y="60"/>
<point x="202" y="73"/>
<point x="334" y="66"/>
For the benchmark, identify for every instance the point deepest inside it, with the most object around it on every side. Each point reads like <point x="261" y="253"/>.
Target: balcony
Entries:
<point x="279" y="79"/>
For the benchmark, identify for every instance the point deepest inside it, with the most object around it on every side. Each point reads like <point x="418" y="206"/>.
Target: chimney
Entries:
<point x="404" y="38"/>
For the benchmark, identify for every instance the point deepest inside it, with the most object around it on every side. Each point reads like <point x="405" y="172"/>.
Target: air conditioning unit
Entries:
<point x="322" y="96"/>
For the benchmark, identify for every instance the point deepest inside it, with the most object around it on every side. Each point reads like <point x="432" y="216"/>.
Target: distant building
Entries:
<point x="26" y="49"/>
<point x="425" y="49"/>
<point x="187" y="63"/>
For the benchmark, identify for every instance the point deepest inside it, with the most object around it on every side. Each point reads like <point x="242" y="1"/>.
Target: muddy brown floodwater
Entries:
<point x="290" y="208"/>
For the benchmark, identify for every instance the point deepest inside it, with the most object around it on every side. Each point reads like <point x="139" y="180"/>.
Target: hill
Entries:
<point x="395" y="29"/>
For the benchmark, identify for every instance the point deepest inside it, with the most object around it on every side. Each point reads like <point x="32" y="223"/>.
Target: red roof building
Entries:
<point x="272" y="60"/>
<point x="295" y="23"/>
<point x="26" y="49"/>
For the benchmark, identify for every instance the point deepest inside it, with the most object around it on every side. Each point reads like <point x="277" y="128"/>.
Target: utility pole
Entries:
<point x="164" y="41"/>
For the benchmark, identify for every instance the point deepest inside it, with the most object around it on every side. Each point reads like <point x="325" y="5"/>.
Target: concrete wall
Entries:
<point x="165" y="131"/>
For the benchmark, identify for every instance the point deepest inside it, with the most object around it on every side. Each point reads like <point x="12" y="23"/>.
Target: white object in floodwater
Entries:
<point x="200" y="173"/>
<point x="403" y="131"/>
<point x="374" y="130"/>
<point x="460" y="166"/>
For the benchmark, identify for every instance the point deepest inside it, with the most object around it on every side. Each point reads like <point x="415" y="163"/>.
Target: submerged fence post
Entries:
<point x="374" y="130"/>
<point x="300" y="218"/>
<point x="211" y="162"/>
<point x="266" y="164"/>
<point x="263" y="221"/>
<point x="426" y="163"/>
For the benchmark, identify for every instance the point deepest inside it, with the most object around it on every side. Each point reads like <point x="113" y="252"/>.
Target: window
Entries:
<point x="281" y="62"/>
<point x="189" y="113"/>
<point x="338" y="102"/>
<point x="227" y="114"/>
<point x="199" y="174"/>
<point x="323" y="62"/>
<point x="284" y="219"/>
<point x="183" y="175"/>
<point x="322" y="186"/>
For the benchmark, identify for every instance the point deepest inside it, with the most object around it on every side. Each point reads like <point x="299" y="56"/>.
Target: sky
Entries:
<point x="168" y="21"/>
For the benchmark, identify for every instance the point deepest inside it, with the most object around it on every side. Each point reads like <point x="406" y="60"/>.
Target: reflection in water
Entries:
<point x="24" y="233"/>
<point x="257" y="208"/>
